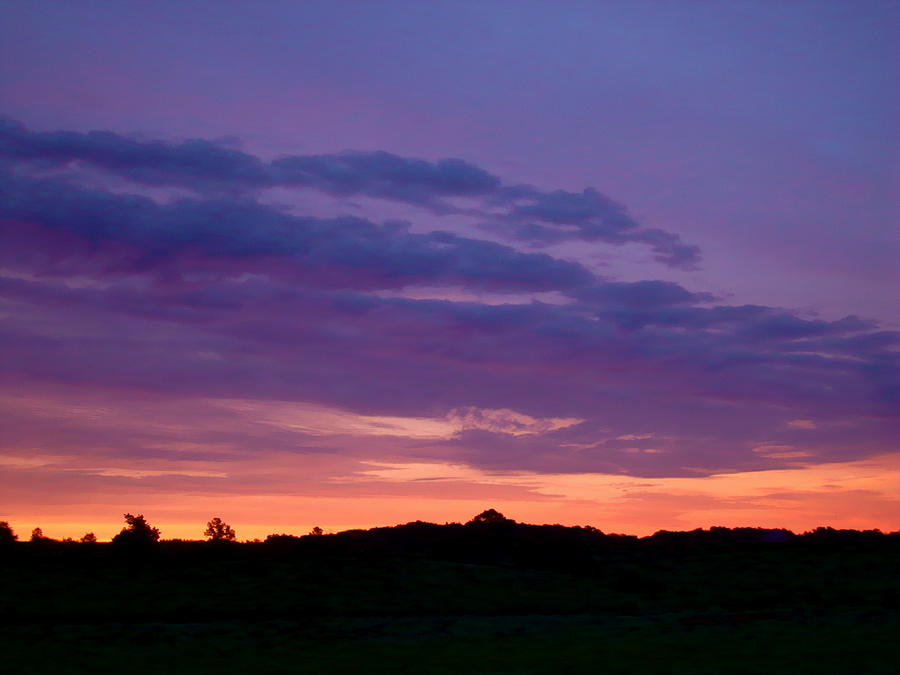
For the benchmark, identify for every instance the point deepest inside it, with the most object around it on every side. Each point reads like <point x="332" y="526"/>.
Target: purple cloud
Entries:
<point x="229" y="238"/>
<point x="543" y="218"/>
<point x="538" y="217"/>
<point x="229" y="297"/>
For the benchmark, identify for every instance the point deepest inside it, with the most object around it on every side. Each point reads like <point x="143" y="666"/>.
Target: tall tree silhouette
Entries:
<point x="217" y="530"/>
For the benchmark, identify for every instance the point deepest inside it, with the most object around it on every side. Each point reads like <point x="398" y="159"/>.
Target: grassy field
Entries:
<point x="251" y="609"/>
<point x="464" y="644"/>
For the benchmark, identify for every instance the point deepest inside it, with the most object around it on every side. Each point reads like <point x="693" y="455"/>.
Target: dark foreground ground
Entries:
<point x="503" y="600"/>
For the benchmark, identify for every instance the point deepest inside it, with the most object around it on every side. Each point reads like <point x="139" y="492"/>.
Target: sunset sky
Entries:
<point x="347" y="264"/>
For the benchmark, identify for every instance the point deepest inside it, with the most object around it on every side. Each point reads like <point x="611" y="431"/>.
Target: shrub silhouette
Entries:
<point x="7" y="536"/>
<point x="89" y="538"/>
<point x="217" y="530"/>
<point x="317" y="531"/>
<point x="490" y="516"/>
<point x="37" y="534"/>
<point x="137" y="534"/>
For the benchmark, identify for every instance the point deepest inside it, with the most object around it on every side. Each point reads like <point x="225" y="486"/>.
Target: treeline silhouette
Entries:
<point x="489" y="537"/>
<point x="423" y="592"/>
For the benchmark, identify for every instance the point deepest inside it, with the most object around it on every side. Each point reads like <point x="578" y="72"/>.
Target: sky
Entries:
<point x="351" y="264"/>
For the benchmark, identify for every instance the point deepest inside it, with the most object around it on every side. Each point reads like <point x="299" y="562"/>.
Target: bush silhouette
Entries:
<point x="89" y="538"/>
<point x="217" y="530"/>
<point x="7" y="536"/>
<point x="137" y="534"/>
<point x="490" y="516"/>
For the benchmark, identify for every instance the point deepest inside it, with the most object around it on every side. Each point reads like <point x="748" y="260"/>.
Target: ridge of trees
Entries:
<point x="489" y="529"/>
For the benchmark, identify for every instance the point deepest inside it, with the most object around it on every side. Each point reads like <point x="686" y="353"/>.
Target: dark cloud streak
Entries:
<point x="531" y="215"/>
<point x="229" y="238"/>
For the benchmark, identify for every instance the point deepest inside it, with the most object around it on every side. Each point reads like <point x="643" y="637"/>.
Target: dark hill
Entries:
<point x="490" y="596"/>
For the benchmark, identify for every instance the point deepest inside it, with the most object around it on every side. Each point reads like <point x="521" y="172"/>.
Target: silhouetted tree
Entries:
<point x="89" y="538"/>
<point x="490" y="516"/>
<point x="217" y="530"/>
<point x="137" y="533"/>
<point x="37" y="534"/>
<point x="316" y="531"/>
<point x="7" y="536"/>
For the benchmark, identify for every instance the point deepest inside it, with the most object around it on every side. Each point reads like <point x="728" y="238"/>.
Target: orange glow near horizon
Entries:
<point x="860" y="495"/>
